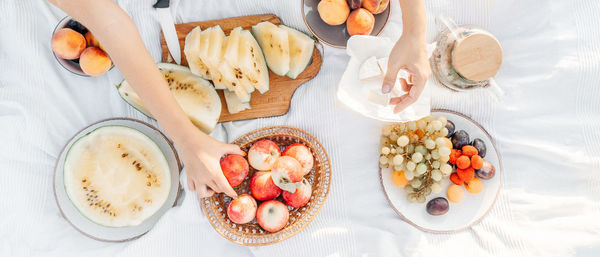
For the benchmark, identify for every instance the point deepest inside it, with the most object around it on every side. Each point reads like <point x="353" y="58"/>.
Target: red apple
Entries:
<point x="242" y="209"/>
<point x="286" y="173"/>
<point x="302" y="154"/>
<point x="263" y="154"/>
<point x="272" y="215"/>
<point x="262" y="186"/>
<point x="300" y="197"/>
<point x="235" y="168"/>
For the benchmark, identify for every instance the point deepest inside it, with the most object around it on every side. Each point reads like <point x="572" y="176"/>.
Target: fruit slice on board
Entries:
<point x="213" y="39"/>
<point x="275" y="45"/>
<point x="192" y="53"/>
<point x="234" y="105"/>
<point x="301" y="50"/>
<point x="231" y="57"/>
<point x="196" y="96"/>
<point x="252" y="62"/>
<point x="116" y="176"/>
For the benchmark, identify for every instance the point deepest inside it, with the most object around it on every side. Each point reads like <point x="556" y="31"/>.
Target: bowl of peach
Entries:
<point x="282" y="183"/>
<point x="334" y="21"/>
<point x="77" y="50"/>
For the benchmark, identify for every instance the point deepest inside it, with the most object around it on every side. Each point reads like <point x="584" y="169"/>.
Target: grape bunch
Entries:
<point x="419" y="150"/>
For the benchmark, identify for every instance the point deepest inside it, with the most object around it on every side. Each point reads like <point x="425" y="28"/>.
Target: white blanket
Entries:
<point x="547" y="127"/>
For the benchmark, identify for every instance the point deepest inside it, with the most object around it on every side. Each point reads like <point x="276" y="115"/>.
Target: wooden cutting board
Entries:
<point x="276" y="101"/>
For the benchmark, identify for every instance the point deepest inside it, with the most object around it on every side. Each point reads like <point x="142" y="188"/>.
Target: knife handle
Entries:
<point x="161" y="4"/>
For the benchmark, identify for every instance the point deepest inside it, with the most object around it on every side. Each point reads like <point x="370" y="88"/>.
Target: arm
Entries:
<point x="409" y="53"/>
<point x="119" y="36"/>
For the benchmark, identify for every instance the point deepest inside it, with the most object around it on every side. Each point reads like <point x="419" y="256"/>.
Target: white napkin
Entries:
<point x="355" y="93"/>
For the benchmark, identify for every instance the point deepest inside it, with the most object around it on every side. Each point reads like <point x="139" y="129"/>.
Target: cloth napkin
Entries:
<point x="356" y="93"/>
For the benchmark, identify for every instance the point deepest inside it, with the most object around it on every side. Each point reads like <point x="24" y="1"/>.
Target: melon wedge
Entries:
<point x="231" y="57"/>
<point x="196" y="96"/>
<point x="301" y="50"/>
<point x="275" y="46"/>
<point x="252" y="62"/>
<point x="213" y="39"/>
<point x="234" y="105"/>
<point x="116" y="176"/>
<point x="192" y="53"/>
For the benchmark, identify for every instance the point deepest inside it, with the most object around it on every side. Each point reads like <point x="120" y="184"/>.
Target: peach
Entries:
<point x="242" y="209"/>
<point x="333" y="12"/>
<point x="263" y="154"/>
<point x="92" y="41"/>
<point x="94" y="61"/>
<point x="375" y="6"/>
<point x="302" y="154"/>
<point x="360" y="22"/>
<point x="272" y="215"/>
<point x="300" y="197"/>
<point x="262" y="186"/>
<point x="68" y="44"/>
<point x="235" y="168"/>
<point x="286" y="173"/>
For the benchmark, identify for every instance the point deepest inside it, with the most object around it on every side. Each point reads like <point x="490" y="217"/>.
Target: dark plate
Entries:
<point x="336" y="36"/>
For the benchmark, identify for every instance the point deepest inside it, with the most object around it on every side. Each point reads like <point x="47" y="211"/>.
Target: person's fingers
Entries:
<point x="411" y="79"/>
<point x="214" y="186"/>
<point x="224" y="186"/>
<point x="203" y="191"/>
<point x="411" y="97"/>
<point x="234" y="149"/>
<point x="191" y="184"/>
<point x="404" y="85"/>
<point x="390" y="78"/>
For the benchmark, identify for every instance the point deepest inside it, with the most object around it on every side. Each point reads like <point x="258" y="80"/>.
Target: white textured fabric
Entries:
<point x="547" y="127"/>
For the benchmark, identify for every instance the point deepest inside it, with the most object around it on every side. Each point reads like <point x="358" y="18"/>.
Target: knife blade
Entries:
<point x="168" y="28"/>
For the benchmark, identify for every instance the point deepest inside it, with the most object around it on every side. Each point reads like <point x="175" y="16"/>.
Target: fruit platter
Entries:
<point x="282" y="183"/>
<point x="115" y="178"/>
<point x="442" y="173"/>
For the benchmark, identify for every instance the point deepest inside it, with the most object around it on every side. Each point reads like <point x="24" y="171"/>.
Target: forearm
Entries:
<point x="120" y="38"/>
<point x="414" y="19"/>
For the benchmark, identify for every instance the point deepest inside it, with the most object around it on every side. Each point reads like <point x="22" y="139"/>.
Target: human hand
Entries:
<point x="201" y="155"/>
<point x="409" y="53"/>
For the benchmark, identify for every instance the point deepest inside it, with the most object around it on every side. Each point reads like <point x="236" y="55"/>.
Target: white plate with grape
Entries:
<point x="415" y="171"/>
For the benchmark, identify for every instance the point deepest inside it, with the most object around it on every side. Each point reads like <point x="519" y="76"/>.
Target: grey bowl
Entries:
<point x="336" y="36"/>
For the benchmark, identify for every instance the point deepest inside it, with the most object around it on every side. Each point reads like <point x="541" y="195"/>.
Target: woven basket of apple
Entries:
<point x="282" y="183"/>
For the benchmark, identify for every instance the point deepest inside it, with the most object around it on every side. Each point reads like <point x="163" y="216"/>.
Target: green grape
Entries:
<point x="444" y="151"/>
<point x="412" y="126"/>
<point x="436" y="188"/>
<point x="398" y="159"/>
<point x="402" y="141"/>
<point x="421" y="149"/>
<point x="436" y="175"/>
<point x="409" y="189"/>
<point x="415" y="183"/>
<point x="440" y="141"/>
<point x="427" y="191"/>
<point x="436" y="124"/>
<point x="444" y="159"/>
<point x="397" y="167"/>
<point x="410" y="149"/>
<point x="435" y="154"/>
<point x="421" y="199"/>
<point x="409" y="174"/>
<point x="428" y="157"/>
<point x="417" y="157"/>
<point x="393" y="150"/>
<point x="421" y="124"/>
<point x="410" y="166"/>
<point x="429" y="129"/>
<point x="435" y="164"/>
<point x="383" y="159"/>
<point x="400" y="150"/>
<point x="412" y="198"/>
<point x="385" y="150"/>
<point x="443" y="120"/>
<point x="429" y="144"/>
<point x="421" y="168"/>
<point x="446" y="169"/>
<point x="386" y="130"/>
<point x="394" y="136"/>
<point x="444" y="132"/>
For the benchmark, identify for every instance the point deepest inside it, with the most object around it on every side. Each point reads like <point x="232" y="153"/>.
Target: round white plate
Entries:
<point x="460" y="215"/>
<point x="99" y="232"/>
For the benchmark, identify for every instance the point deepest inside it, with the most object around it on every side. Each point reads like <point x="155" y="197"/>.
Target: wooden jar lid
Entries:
<point x="477" y="57"/>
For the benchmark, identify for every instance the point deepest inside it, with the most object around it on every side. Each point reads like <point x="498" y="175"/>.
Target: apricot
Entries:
<point x="474" y="186"/>
<point x="360" y="22"/>
<point x="455" y="193"/>
<point x="68" y="44"/>
<point x="94" y="61"/>
<point x="333" y="12"/>
<point x="399" y="179"/>
<point x="375" y="6"/>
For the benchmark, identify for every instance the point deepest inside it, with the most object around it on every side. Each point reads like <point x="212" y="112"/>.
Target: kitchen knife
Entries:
<point x="168" y="28"/>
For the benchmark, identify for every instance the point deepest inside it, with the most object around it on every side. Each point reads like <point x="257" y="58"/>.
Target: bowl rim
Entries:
<point x="58" y="59"/>
<point x="387" y="19"/>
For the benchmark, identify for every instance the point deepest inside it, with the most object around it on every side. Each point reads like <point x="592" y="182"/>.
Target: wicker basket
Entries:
<point x="251" y="234"/>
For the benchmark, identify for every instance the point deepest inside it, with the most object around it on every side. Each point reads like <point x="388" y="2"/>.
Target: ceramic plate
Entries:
<point x="335" y="36"/>
<point x="460" y="215"/>
<point x="99" y="232"/>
